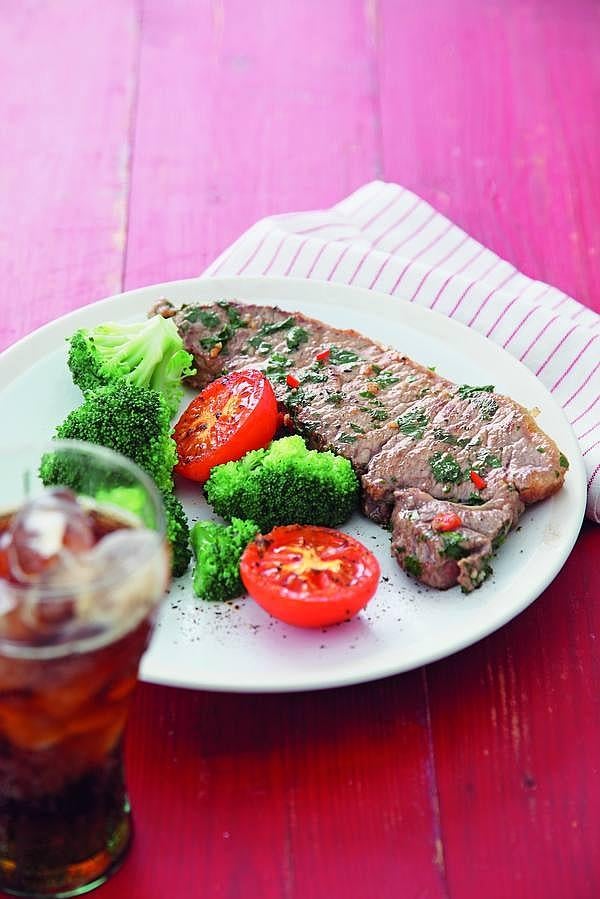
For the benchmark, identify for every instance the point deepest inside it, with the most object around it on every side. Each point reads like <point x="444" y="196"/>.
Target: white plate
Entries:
<point x="237" y="647"/>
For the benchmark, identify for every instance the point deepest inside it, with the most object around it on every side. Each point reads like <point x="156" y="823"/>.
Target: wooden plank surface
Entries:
<point x="500" y="135"/>
<point x="244" y="109"/>
<point x="275" y="123"/>
<point x="489" y="111"/>
<point x="150" y="135"/>
<point x="516" y="732"/>
<point x="306" y="795"/>
<point x="66" y="104"/>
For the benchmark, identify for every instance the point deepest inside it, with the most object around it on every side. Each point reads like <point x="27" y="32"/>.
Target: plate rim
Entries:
<point x="14" y="361"/>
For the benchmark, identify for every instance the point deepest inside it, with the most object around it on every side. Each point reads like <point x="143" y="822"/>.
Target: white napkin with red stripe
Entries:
<point x="385" y="237"/>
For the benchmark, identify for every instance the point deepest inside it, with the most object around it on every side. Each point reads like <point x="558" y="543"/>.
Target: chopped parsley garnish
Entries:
<point x="540" y="449"/>
<point x="227" y="330"/>
<point x="474" y="500"/>
<point x="347" y="438"/>
<point x="277" y="367"/>
<point x="297" y="397"/>
<point x="296" y="336"/>
<point x="233" y="316"/>
<point x="486" y="460"/>
<point x="369" y="395"/>
<point x="413" y="566"/>
<point x="453" y="547"/>
<point x="498" y="541"/>
<point x="563" y="461"/>
<point x="488" y="407"/>
<point x="315" y="374"/>
<point x="465" y="391"/>
<point x="451" y="439"/>
<point x="335" y="399"/>
<point x="385" y="380"/>
<point x="204" y="316"/>
<point x="356" y="428"/>
<point x="208" y="343"/>
<point x="445" y="469"/>
<point x="263" y="348"/>
<point x="413" y="424"/>
<point x="271" y="328"/>
<point x="342" y="356"/>
<point x="379" y="415"/>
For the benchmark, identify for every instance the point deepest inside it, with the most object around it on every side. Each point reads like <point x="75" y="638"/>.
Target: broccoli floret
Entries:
<point x="285" y="484"/>
<point x="134" y="500"/>
<point x="147" y="354"/>
<point x="218" y="548"/>
<point x="134" y="421"/>
<point x="178" y="534"/>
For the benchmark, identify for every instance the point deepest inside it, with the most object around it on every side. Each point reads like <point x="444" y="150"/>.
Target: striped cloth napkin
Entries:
<point x="385" y="237"/>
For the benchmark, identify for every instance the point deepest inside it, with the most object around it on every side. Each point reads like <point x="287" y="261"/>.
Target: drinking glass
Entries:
<point x="76" y="612"/>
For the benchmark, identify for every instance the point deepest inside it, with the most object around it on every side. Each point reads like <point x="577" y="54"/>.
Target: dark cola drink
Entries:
<point x="78" y="588"/>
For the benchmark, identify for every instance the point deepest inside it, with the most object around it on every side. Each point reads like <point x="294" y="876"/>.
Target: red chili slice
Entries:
<point x="323" y="356"/>
<point x="292" y="381"/>
<point x="446" y="521"/>
<point x="478" y="480"/>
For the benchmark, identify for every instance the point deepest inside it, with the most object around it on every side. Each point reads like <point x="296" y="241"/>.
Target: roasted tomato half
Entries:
<point x="309" y="576"/>
<point x="231" y="416"/>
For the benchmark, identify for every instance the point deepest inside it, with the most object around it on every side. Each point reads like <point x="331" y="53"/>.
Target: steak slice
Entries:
<point x="451" y="437"/>
<point x="462" y="555"/>
<point x="412" y="435"/>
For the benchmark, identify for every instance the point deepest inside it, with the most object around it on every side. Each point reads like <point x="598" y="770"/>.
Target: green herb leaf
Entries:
<point x="342" y="356"/>
<point x="413" y="566"/>
<point x="413" y="424"/>
<point x="335" y="399"/>
<point x="315" y="374"/>
<point x="563" y="461"/>
<point x="277" y="367"/>
<point x="347" y="438"/>
<point x="296" y="336"/>
<point x="235" y="320"/>
<point x="208" y="343"/>
<point x="474" y="500"/>
<point x="498" y="541"/>
<point x="451" y="439"/>
<point x="385" y="380"/>
<point x="465" y="391"/>
<point x="445" y="469"/>
<point x="271" y="328"/>
<point x="379" y="415"/>
<point x="452" y="545"/>
<point x="204" y="316"/>
<point x="356" y="428"/>
<point x="488" y="407"/>
<point x="484" y="462"/>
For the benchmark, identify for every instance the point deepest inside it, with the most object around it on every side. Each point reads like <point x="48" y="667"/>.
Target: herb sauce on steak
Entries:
<point x="421" y="443"/>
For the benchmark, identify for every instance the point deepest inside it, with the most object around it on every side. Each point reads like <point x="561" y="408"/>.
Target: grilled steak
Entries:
<point x="420" y="443"/>
<point x="463" y="556"/>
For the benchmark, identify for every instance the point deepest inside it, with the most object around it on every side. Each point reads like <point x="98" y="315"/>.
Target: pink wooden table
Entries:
<point x="139" y="139"/>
